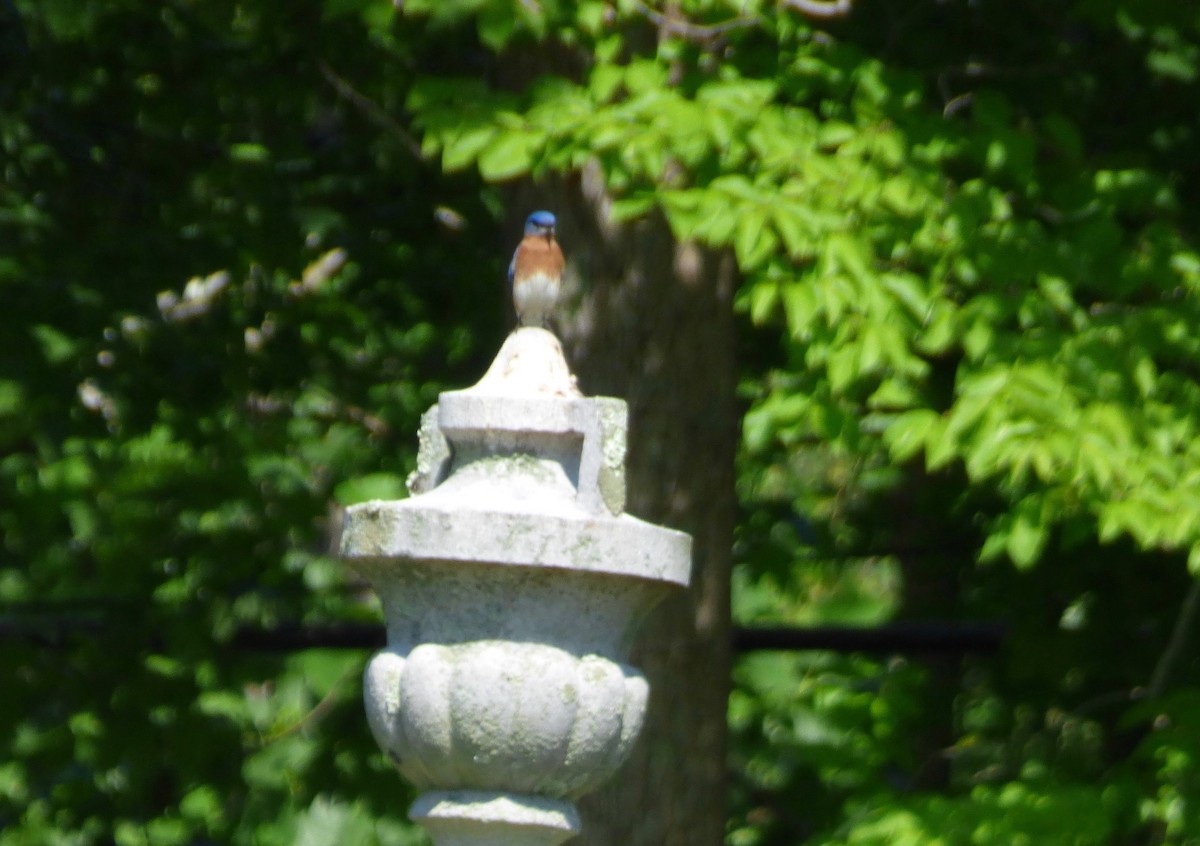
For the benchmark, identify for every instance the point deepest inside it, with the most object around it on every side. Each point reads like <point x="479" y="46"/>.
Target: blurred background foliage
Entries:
<point x="244" y="244"/>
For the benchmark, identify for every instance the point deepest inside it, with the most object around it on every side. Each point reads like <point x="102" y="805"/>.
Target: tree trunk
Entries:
<point x="650" y="320"/>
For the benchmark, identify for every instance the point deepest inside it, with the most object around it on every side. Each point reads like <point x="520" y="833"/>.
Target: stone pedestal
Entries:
<point x="511" y="583"/>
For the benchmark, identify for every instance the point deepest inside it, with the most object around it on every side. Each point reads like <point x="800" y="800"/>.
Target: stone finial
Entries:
<point x="511" y="583"/>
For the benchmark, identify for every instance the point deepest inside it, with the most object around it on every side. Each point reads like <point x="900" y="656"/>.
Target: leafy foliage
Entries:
<point x="172" y="452"/>
<point x="969" y="297"/>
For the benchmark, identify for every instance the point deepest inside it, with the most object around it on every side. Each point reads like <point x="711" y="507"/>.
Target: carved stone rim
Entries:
<point x="619" y="546"/>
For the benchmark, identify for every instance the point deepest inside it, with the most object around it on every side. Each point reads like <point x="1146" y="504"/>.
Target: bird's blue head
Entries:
<point x="540" y="223"/>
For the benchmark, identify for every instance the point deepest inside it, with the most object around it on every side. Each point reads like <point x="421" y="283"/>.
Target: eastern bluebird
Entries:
<point x="535" y="273"/>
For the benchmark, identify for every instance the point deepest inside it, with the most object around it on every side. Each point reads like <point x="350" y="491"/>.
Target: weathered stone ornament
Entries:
<point x="511" y="582"/>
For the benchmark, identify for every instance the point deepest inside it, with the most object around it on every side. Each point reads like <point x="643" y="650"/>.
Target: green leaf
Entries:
<point x="685" y="211"/>
<point x="754" y="241"/>
<point x="249" y="153"/>
<point x="895" y="393"/>
<point x="645" y="76"/>
<point x="1179" y="63"/>
<point x="764" y="301"/>
<point x="625" y="209"/>
<point x="901" y="196"/>
<point x="834" y="134"/>
<point x="369" y="487"/>
<point x="57" y="348"/>
<point x="739" y="188"/>
<point x="222" y="703"/>
<point x="978" y="339"/>
<point x="203" y="805"/>
<point x="908" y="433"/>
<point x="801" y="307"/>
<point x="604" y="83"/>
<point x="843" y="368"/>
<point x="497" y="24"/>
<point x="1026" y="537"/>
<point x="164" y="666"/>
<point x="331" y="823"/>
<point x="941" y="329"/>
<point x="851" y="255"/>
<point x="462" y="148"/>
<point x="167" y="831"/>
<point x="910" y="291"/>
<point x="591" y="16"/>
<point x="508" y="155"/>
<point x="793" y="227"/>
<point x="870" y="348"/>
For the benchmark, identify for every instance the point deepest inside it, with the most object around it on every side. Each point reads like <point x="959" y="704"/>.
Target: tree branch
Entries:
<point x="318" y="711"/>
<point x="372" y="110"/>
<point x="693" y="31"/>
<point x="1177" y="643"/>
<point x="820" y="9"/>
<point x="679" y="26"/>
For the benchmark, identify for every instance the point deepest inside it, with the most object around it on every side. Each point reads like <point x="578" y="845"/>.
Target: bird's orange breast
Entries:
<point x="539" y="255"/>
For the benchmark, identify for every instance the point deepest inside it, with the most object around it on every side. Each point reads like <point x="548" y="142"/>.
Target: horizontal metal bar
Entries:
<point x="918" y="637"/>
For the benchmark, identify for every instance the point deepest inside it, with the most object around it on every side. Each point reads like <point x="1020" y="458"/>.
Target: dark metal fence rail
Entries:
<point x="59" y="630"/>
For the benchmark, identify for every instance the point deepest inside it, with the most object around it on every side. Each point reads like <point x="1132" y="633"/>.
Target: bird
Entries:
<point x="535" y="272"/>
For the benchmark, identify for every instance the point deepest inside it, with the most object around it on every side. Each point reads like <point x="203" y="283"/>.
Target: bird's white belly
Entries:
<point x="535" y="297"/>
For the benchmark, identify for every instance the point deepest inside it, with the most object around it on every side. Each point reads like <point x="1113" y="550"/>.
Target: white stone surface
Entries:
<point x="479" y="818"/>
<point x="530" y="363"/>
<point x="511" y="583"/>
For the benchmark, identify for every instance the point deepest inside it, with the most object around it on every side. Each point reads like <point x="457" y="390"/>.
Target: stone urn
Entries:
<point x="511" y="582"/>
